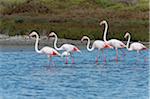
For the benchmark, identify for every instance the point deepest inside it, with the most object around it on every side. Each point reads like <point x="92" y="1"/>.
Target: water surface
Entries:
<point x="24" y="74"/>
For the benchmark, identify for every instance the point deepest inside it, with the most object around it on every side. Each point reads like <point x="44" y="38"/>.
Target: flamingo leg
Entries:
<point x="97" y="57"/>
<point x="124" y="54"/>
<point x="104" y="57"/>
<point x="143" y="56"/>
<point x="137" y="58"/>
<point x="50" y="61"/>
<point x="116" y="55"/>
<point x="66" y="60"/>
<point x="53" y="63"/>
<point x="72" y="59"/>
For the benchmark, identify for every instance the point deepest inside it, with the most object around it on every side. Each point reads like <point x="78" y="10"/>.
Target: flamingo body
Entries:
<point x="99" y="44"/>
<point x="49" y="51"/>
<point x="69" y="48"/>
<point x="137" y="46"/>
<point x="116" y="43"/>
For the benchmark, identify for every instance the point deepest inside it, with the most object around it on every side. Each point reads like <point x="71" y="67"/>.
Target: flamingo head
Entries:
<point x="127" y="34"/>
<point x="103" y="22"/>
<point x="83" y="38"/>
<point x="66" y="54"/>
<point x="32" y="34"/>
<point x="52" y="34"/>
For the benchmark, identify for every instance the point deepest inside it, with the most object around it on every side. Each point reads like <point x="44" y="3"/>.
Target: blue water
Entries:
<point x="24" y="74"/>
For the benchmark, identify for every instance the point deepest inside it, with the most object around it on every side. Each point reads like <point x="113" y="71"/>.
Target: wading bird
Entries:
<point x="100" y="45"/>
<point x="50" y="52"/>
<point x="65" y="54"/>
<point x="69" y="48"/>
<point x="113" y="42"/>
<point x="134" y="46"/>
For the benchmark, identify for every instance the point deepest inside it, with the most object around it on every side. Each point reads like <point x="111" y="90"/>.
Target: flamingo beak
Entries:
<point x="82" y="40"/>
<point x="48" y="37"/>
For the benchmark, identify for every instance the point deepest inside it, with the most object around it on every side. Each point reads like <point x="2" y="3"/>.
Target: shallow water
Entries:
<point x="24" y="74"/>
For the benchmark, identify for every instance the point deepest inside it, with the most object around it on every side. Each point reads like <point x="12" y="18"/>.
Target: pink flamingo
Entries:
<point x="69" y="48"/>
<point x="113" y="42"/>
<point x="50" y="52"/>
<point x="100" y="45"/>
<point x="134" y="46"/>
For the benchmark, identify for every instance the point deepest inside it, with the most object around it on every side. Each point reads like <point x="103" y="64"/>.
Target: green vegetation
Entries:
<point x="74" y="18"/>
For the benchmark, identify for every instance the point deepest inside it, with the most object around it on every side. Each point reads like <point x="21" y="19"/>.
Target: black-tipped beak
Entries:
<point x="48" y="37"/>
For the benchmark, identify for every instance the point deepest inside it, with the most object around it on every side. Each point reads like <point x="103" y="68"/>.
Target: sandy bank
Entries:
<point x="25" y="40"/>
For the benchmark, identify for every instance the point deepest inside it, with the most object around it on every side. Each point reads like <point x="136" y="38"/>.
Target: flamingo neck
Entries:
<point x="36" y="44"/>
<point x="127" y="45"/>
<point x="105" y="32"/>
<point x="88" y="45"/>
<point x="55" y="42"/>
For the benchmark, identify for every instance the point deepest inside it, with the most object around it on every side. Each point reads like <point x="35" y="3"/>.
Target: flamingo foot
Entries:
<point x="105" y="60"/>
<point x="124" y="54"/>
<point x="145" y="59"/>
<point x="96" y="61"/>
<point x="66" y="60"/>
<point x="53" y="63"/>
<point x="116" y="60"/>
<point x="73" y="61"/>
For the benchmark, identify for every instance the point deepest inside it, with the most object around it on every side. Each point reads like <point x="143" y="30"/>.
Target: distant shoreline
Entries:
<point x="43" y="41"/>
<point x="25" y="40"/>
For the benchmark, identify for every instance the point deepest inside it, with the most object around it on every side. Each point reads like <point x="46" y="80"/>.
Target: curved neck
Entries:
<point x="105" y="32"/>
<point x="127" y="46"/>
<point x="36" y="44"/>
<point x="88" y="45"/>
<point x="55" y="42"/>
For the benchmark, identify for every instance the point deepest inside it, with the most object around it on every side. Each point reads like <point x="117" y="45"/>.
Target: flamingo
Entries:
<point x="69" y="48"/>
<point x="65" y="54"/>
<point x="50" y="52"/>
<point x="113" y="42"/>
<point x="100" y="45"/>
<point x="134" y="46"/>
